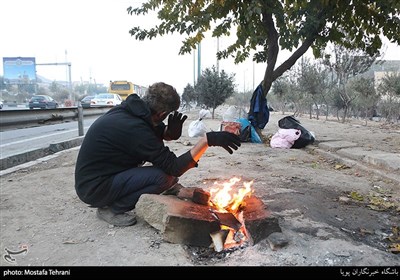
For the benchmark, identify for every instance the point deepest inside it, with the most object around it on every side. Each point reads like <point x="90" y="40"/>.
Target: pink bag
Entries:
<point x="285" y="138"/>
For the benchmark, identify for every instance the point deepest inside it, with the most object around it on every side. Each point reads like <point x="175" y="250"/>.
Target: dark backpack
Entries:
<point x="245" y="134"/>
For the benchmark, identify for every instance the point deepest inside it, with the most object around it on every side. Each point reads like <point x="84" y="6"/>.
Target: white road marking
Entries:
<point x="38" y="137"/>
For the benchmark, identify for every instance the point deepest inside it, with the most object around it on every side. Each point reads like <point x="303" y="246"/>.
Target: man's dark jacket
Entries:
<point x="123" y="138"/>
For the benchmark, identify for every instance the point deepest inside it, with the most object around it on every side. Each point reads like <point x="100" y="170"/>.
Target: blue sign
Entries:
<point x="19" y="70"/>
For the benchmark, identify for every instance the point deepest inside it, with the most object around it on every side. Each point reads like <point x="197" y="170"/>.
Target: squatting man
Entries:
<point x="110" y="173"/>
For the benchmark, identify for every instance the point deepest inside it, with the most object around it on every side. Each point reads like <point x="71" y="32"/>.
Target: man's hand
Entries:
<point x="174" y="126"/>
<point x="224" y="139"/>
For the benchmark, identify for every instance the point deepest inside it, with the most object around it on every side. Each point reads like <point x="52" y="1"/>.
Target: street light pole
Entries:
<point x="244" y="80"/>
<point x="71" y="94"/>
<point x="217" y="53"/>
<point x="194" y="67"/>
<point x="198" y="60"/>
<point x="253" y="74"/>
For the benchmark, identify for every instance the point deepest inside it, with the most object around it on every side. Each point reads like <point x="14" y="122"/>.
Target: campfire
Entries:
<point x="226" y="202"/>
<point x="224" y="215"/>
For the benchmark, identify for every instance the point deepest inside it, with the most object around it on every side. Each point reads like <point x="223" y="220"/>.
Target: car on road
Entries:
<point x="106" y="99"/>
<point x="42" y="102"/>
<point x="85" y="102"/>
<point x="1" y="104"/>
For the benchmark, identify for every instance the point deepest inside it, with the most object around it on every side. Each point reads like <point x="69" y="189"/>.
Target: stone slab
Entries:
<point x="184" y="222"/>
<point x="336" y="145"/>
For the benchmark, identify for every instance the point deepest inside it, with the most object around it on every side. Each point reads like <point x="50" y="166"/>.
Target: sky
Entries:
<point x="93" y="35"/>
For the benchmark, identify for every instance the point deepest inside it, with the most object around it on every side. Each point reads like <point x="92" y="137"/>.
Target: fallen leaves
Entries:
<point x="378" y="199"/>
<point x="395" y="239"/>
<point x="379" y="203"/>
<point x="394" y="248"/>
<point x="356" y="196"/>
<point x="341" y="166"/>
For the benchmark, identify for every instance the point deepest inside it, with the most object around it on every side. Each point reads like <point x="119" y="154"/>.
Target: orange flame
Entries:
<point x="225" y="199"/>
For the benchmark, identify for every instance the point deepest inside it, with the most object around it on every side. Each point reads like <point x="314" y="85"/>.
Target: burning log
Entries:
<point x="260" y="223"/>
<point x="227" y="219"/>
<point x="201" y="196"/>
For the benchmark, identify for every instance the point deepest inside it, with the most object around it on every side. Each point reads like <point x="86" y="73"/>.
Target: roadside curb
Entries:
<point x="36" y="161"/>
<point x="14" y="160"/>
<point x="353" y="163"/>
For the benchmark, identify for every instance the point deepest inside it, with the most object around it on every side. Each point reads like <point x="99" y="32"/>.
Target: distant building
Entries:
<point x="381" y="68"/>
<point x="387" y="68"/>
<point x="379" y="75"/>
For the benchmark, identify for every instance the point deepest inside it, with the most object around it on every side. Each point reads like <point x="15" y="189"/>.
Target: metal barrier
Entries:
<point x="13" y="118"/>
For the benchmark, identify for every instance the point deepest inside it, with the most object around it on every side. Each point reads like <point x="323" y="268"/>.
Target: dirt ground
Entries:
<point x="322" y="207"/>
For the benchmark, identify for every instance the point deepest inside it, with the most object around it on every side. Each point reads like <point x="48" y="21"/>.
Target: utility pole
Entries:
<point x="217" y="57"/>
<point x="66" y="68"/>
<point x="71" y="94"/>
<point x="194" y="68"/>
<point x="244" y="81"/>
<point x="198" y="61"/>
<point x="253" y="74"/>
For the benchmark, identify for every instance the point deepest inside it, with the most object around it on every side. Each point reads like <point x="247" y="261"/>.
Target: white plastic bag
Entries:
<point x="203" y="114"/>
<point x="231" y="114"/>
<point x="197" y="128"/>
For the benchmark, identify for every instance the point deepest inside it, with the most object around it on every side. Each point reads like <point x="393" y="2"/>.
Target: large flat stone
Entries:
<point x="179" y="221"/>
<point x="354" y="153"/>
<point x="336" y="145"/>
<point x="184" y="222"/>
<point x="386" y="160"/>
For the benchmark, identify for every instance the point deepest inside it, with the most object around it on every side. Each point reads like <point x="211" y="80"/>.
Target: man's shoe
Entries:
<point x="119" y="220"/>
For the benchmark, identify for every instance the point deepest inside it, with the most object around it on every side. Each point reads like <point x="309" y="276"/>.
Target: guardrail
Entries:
<point x="14" y="118"/>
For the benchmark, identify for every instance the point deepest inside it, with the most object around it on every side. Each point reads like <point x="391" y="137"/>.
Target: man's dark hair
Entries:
<point x="162" y="97"/>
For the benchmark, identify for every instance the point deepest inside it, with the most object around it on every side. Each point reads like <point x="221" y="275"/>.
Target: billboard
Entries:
<point x="19" y="70"/>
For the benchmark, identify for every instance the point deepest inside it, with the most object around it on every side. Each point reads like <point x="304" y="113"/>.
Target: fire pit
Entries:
<point x="225" y="216"/>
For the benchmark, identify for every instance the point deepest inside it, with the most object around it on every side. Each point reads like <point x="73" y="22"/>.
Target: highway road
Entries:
<point x="19" y="141"/>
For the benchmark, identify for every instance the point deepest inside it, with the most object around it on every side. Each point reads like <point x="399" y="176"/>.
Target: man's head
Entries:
<point x="162" y="100"/>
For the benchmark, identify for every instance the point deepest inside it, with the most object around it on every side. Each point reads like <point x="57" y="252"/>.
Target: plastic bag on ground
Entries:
<point x="197" y="128"/>
<point x="306" y="137"/>
<point x="203" y="114"/>
<point x="231" y="114"/>
<point x="285" y="138"/>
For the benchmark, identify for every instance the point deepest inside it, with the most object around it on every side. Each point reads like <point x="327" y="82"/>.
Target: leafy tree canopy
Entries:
<point x="214" y="88"/>
<point x="189" y="94"/>
<point x="263" y="27"/>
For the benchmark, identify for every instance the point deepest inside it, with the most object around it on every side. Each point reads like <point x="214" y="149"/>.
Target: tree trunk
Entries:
<point x="345" y="110"/>
<point x="271" y="74"/>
